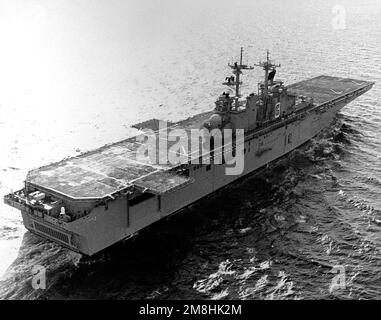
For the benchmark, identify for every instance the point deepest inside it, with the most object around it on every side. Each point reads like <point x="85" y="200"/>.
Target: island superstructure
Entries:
<point x="94" y="200"/>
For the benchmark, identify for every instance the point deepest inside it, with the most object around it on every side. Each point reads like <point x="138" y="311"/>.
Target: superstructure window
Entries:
<point x="158" y="203"/>
<point x="289" y="138"/>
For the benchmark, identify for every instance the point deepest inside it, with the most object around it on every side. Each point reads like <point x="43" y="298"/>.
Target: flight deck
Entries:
<point x="112" y="168"/>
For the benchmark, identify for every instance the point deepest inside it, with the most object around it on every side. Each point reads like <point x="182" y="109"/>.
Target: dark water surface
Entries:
<point x="90" y="70"/>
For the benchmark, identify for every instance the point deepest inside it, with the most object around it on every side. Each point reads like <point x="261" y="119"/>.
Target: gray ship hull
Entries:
<point x="119" y="218"/>
<point x="103" y="228"/>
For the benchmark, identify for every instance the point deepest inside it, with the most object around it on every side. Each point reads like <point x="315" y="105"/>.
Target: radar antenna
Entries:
<point x="267" y="65"/>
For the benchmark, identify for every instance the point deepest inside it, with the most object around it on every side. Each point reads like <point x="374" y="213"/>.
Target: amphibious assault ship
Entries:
<point x="89" y="202"/>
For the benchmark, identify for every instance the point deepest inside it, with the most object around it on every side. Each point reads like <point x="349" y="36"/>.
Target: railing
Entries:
<point x="35" y="210"/>
<point x="16" y="201"/>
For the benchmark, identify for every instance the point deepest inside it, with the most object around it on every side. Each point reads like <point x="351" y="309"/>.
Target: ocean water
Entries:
<point x="76" y="75"/>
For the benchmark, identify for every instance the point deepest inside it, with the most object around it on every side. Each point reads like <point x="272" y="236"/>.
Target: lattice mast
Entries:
<point x="235" y="81"/>
<point x="267" y="65"/>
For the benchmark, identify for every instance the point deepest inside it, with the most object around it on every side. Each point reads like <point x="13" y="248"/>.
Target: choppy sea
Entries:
<point x="75" y="75"/>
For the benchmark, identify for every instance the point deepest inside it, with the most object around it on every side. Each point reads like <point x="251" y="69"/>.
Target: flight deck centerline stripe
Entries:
<point x="336" y="92"/>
